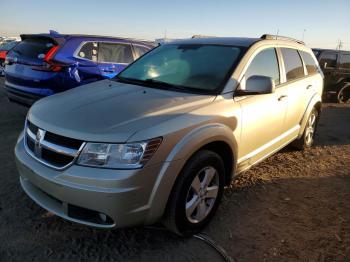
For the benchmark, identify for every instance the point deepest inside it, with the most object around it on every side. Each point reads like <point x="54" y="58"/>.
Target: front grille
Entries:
<point x="51" y="149"/>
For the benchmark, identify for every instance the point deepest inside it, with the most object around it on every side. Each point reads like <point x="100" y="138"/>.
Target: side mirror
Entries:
<point x="256" y="85"/>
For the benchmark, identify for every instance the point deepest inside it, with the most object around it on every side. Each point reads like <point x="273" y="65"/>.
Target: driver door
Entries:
<point x="263" y="115"/>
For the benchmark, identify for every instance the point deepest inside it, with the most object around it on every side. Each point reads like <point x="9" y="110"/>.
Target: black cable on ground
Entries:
<point x="207" y="240"/>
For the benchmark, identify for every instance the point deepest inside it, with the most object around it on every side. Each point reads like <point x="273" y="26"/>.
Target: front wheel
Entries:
<point x="196" y="194"/>
<point x="343" y="95"/>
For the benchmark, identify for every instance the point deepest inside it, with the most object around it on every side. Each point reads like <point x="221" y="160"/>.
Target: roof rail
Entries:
<point x="202" y="36"/>
<point x="278" y="37"/>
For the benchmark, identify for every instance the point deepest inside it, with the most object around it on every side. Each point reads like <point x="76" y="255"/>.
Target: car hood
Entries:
<point x="109" y="111"/>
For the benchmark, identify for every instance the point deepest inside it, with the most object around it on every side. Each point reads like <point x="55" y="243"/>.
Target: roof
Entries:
<point x="237" y="41"/>
<point x="231" y="41"/>
<point x="55" y="35"/>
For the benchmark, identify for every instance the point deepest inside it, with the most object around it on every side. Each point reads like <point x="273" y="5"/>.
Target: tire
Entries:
<point x="343" y="95"/>
<point x="307" y="139"/>
<point x="190" y="191"/>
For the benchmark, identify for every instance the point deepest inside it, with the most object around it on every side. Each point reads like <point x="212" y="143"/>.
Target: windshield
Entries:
<point x="33" y="48"/>
<point x="189" y="67"/>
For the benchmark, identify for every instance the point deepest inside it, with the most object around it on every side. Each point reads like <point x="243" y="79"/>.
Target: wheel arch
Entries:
<point x="223" y="143"/>
<point x="315" y="102"/>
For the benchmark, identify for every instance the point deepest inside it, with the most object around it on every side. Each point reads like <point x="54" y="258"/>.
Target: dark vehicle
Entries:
<point x="45" y="64"/>
<point x="335" y="65"/>
<point x="4" y="48"/>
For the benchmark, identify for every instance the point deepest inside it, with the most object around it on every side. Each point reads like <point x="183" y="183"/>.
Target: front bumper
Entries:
<point x="96" y="197"/>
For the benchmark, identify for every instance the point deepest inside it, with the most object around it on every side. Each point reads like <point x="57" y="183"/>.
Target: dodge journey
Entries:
<point x="160" y="141"/>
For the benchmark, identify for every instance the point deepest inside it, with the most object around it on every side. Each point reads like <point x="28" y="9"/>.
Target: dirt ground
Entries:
<point x="294" y="206"/>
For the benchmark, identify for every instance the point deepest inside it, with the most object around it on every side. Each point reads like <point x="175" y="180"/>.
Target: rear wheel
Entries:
<point x="307" y="139"/>
<point x="343" y="95"/>
<point x="196" y="194"/>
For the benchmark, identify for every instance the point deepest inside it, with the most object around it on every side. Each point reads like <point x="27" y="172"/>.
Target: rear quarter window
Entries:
<point x="292" y="63"/>
<point x="33" y="48"/>
<point x="310" y="63"/>
<point x="89" y="51"/>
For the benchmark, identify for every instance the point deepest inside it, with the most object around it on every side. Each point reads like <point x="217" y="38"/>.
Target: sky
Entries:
<point x="322" y="23"/>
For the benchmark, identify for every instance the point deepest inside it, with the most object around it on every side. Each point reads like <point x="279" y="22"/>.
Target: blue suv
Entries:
<point x="45" y="64"/>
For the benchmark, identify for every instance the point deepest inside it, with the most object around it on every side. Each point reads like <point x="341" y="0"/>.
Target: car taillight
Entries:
<point x="3" y="54"/>
<point x="50" y="64"/>
<point x="50" y="54"/>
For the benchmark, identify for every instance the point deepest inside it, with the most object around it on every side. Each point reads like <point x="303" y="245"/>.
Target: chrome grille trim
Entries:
<point x="58" y="149"/>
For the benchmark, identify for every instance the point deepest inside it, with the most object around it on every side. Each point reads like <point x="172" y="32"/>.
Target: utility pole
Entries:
<point x="340" y="44"/>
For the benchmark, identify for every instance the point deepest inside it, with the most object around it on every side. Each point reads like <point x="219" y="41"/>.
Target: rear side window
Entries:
<point x="328" y="60"/>
<point x="140" y="50"/>
<point x="114" y="53"/>
<point x="310" y="63"/>
<point x="33" y="48"/>
<point x="345" y="61"/>
<point x="292" y="63"/>
<point x="265" y="64"/>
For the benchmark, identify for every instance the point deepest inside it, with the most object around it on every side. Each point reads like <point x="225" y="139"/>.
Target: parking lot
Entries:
<point x="294" y="206"/>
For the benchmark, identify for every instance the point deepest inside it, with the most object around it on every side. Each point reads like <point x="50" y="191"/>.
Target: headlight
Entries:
<point x="118" y="156"/>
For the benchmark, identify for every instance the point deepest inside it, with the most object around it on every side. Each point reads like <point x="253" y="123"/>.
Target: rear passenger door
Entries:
<point x="113" y="58"/>
<point x="86" y="70"/>
<point x="300" y="88"/>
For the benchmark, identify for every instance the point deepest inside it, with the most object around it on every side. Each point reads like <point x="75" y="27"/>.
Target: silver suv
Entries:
<point x="161" y="140"/>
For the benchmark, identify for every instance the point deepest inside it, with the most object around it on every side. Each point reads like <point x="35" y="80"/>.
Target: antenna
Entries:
<point x="278" y="30"/>
<point x="303" y="35"/>
<point x="340" y="44"/>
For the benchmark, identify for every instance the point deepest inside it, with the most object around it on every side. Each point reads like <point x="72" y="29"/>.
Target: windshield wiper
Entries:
<point x="164" y="85"/>
<point x="150" y="82"/>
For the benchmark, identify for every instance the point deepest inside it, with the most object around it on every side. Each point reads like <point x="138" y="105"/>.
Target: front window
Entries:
<point x="265" y="64"/>
<point x="189" y="67"/>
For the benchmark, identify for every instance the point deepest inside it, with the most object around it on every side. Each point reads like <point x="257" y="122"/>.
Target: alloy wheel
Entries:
<point x="202" y="194"/>
<point x="310" y="128"/>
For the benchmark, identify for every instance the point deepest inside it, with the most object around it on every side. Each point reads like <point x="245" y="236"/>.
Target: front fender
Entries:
<point x="178" y="157"/>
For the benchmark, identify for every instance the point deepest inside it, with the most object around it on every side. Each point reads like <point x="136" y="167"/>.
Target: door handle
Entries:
<point x="282" y="97"/>
<point x="107" y="70"/>
<point x="309" y="86"/>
